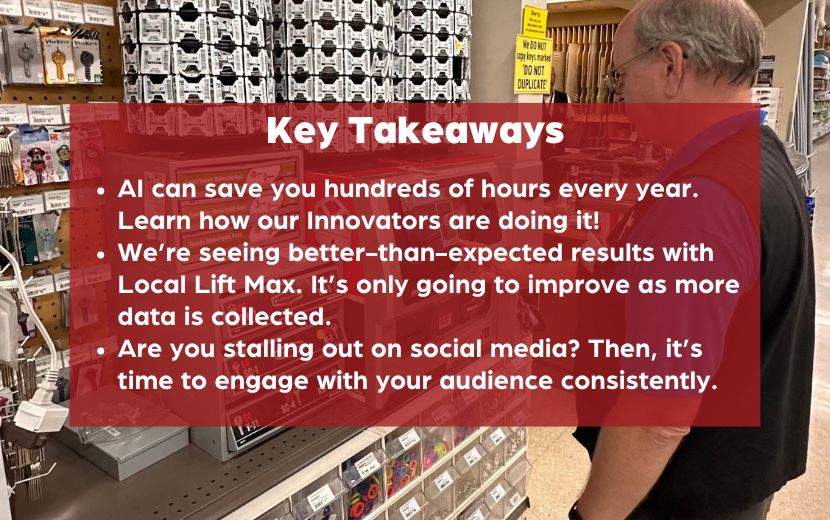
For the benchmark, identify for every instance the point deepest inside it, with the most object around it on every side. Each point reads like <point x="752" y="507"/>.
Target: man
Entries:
<point x="708" y="51"/>
<point x="555" y="96"/>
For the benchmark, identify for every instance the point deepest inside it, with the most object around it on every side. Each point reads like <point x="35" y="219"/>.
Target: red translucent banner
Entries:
<point x="256" y="266"/>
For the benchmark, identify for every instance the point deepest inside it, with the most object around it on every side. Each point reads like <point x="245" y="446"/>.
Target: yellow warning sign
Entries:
<point x="533" y="62"/>
<point x="535" y="22"/>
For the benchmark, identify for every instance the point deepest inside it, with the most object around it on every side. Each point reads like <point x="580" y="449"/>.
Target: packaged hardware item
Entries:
<point x="155" y="59"/>
<point x="128" y="23"/>
<point x="46" y="231"/>
<point x="87" y="50"/>
<point x="23" y="55"/>
<point x="158" y="89"/>
<point x="28" y="241"/>
<point x="130" y="58"/>
<point x="226" y="62"/>
<point x="35" y="155"/>
<point x="58" y="57"/>
<point x="59" y="142"/>
<point x="191" y="59"/>
<point x="193" y="90"/>
<point x="154" y="27"/>
<point x="189" y="25"/>
<point x="132" y="89"/>
<point x="229" y="89"/>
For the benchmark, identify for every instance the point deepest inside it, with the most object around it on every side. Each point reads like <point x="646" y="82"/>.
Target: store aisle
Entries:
<point x="560" y="465"/>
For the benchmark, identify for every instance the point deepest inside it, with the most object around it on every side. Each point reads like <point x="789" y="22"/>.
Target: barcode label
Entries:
<point x="367" y="465"/>
<point x="472" y="456"/>
<point x="112" y="431"/>
<point x="410" y="509"/>
<point x="99" y="14"/>
<point x="497" y="493"/>
<point x="409" y="439"/>
<point x="498" y="436"/>
<point x="443" y="481"/>
<point x="67" y="11"/>
<point x="37" y="8"/>
<point x="45" y="115"/>
<point x="10" y="8"/>
<point x="320" y="498"/>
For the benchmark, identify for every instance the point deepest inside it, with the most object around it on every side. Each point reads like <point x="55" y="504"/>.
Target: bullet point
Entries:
<point x="100" y="255"/>
<point x="100" y="351"/>
<point x="100" y="191"/>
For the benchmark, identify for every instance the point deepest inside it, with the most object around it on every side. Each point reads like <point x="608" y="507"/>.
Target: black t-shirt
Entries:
<point x="718" y="471"/>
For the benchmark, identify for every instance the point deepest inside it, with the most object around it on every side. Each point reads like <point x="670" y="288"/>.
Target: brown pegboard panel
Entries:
<point x="111" y="90"/>
<point x="49" y="307"/>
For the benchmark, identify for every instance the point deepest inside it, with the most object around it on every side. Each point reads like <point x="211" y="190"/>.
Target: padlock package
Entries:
<point x="24" y="59"/>
<point x="36" y="155"/>
<point x="58" y="57"/>
<point x="59" y="142"/>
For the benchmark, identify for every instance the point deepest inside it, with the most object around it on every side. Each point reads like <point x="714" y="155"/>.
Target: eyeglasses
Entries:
<point x="613" y="79"/>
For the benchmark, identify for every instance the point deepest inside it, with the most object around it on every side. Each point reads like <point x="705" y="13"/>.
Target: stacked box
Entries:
<point x="432" y="42"/>
<point x="333" y="50"/>
<point x="197" y="51"/>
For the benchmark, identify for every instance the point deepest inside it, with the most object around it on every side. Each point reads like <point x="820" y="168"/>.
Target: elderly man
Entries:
<point x="708" y="51"/>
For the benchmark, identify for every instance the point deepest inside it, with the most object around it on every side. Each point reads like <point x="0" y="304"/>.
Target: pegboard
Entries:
<point x="111" y="90"/>
<point x="49" y="307"/>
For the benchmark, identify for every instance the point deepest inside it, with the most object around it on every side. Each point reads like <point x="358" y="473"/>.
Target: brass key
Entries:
<point x="59" y="58"/>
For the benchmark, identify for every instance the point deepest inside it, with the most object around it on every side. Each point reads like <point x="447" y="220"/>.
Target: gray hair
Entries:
<point x="720" y="37"/>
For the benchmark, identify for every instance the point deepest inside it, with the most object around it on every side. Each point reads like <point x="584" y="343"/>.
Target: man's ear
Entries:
<point x="673" y="66"/>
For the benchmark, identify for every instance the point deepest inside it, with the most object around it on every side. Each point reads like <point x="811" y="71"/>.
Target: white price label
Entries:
<point x="112" y="431"/>
<point x="441" y="415"/>
<point x="367" y="465"/>
<point x="45" y="115"/>
<point x="410" y="509"/>
<point x="498" y="436"/>
<point x="62" y="281"/>
<point x="320" y="498"/>
<point x="67" y="11"/>
<point x="40" y="285"/>
<point x="11" y="8"/>
<point x="472" y="456"/>
<point x="99" y="14"/>
<point x="443" y="481"/>
<point x="497" y="493"/>
<point x="58" y="199"/>
<point x="469" y="396"/>
<point x="38" y="8"/>
<point x="27" y="205"/>
<point x="475" y="515"/>
<point x="14" y="115"/>
<point x="106" y="111"/>
<point x="409" y="439"/>
<point x="97" y="274"/>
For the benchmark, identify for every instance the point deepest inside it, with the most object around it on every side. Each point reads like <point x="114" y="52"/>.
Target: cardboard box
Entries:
<point x="357" y="33"/>
<point x="256" y="61"/>
<point x="357" y="61"/>
<point x="152" y="5"/>
<point x="193" y="90"/>
<point x="357" y="8"/>
<point x="382" y="13"/>
<point x="321" y="9"/>
<point x="441" y="66"/>
<point x="443" y="22"/>
<point x="329" y="89"/>
<point x="299" y="31"/>
<point x="253" y="32"/>
<point x="229" y="120"/>
<point x="130" y="59"/>
<point x="300" y="88"/>
<point x="256" y="90"/>
<point x="126" y="6"/>
<point x="417" y="67"/>
<point x="224" y="30"/>
<point x="154" y="27"/>
<point x="195" y="120"/>
<point x="191" y="60"/>
<point x="327" y="32"/>
<point x="358" y="88"/>
<point x="329" y="60"/>
<point x="189" y="26"/>
<point x="156" y="59"/>
<point x="298" y="9"/>
<point x="226" y="63"/>
<point x="200" y="6"/>
<point x="159" y="89"/>
<point x="228" y="89"/>
<point x="441" y="91"/>
<point x="416" y="91"/>
<point x="225" y="7"/>
<point x="300" y="60"/>
<point x="280" y="61"/>
<point x="132" y="89"/>
<point x="128" y="24"/>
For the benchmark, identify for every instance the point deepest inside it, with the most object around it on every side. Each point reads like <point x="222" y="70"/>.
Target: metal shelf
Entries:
<point x="190" y="484"/>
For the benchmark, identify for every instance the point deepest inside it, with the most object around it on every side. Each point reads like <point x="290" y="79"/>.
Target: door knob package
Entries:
<point x="58" y="57"/>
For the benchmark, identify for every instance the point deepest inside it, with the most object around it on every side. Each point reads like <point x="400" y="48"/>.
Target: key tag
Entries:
<point x="58" y="56"/>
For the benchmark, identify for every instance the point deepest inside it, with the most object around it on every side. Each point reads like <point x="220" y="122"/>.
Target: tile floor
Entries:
<point x="560" y="466"/>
